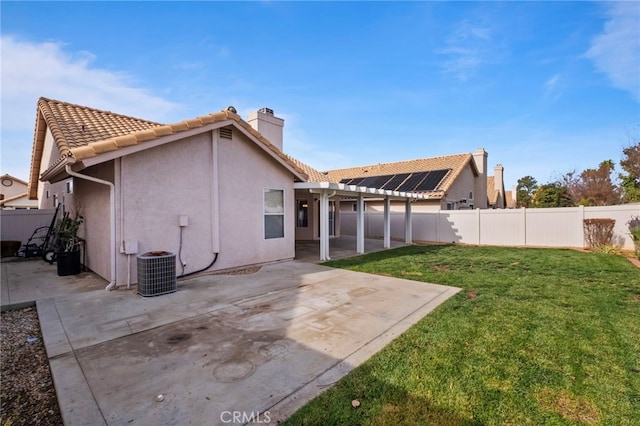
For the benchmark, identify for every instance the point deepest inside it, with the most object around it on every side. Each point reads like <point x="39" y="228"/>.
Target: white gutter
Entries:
<point x="112" y="211"/>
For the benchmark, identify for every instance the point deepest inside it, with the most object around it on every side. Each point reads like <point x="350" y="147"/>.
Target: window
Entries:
<point x="303" y="213"/>
<point x="273" y="213"/>
<point x="47" y="194"/>
<point x="69" y="185"/>
<point x="450" y="206"/>
<point x="471" y="195"/>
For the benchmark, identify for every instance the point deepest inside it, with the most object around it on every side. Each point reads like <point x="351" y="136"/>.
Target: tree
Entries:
<point x="630" y="180"/>
<point x="571" y="181"/>
<point x="552" y="194"/>
<point x="527" y="185"/>
<point x="595" y="187"/>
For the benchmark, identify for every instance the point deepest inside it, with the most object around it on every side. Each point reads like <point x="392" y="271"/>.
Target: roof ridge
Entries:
<point x="8" y="176"/>
<point x="50" y="119"/>
<point x="399" y="162"/>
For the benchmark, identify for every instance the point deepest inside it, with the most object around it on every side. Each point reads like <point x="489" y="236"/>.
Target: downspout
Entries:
<point x="112" y="219"/>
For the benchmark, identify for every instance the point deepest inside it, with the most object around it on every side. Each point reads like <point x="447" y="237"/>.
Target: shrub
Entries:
<point x="634" y="231"/>
<point x="598" y="233"/>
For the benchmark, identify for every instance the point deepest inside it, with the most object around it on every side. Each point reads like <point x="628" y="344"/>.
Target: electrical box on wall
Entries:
<point x="183" y="220"/>
<point x="130" y="247"/>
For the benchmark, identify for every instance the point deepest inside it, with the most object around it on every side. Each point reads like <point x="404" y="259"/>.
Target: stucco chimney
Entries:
<point x="498" y="171"/>
<point x="480" y="158"/>
<point x="498" y="184"/>
<point x="268" y="125"/>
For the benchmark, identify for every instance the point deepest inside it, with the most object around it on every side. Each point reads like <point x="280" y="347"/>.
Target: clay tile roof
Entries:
<point x="508" y="195"/>
<point x="455" y="162"/>
<point x="74" y="126"/>
<point x="81" y="132"/>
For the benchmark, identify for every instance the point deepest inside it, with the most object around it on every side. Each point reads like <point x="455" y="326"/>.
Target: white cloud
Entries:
<point x="31" y="70"/>
<point x="616" y="51"/>
<point x="466" y="49"/>
<point x="553" y="88"/>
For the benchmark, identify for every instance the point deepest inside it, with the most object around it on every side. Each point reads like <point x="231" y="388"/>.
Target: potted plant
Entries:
<point x="634" y="231"/>
<point x="68" y="245"/>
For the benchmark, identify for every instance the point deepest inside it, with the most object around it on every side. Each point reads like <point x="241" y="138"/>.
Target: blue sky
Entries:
<point x="544" y="87"/>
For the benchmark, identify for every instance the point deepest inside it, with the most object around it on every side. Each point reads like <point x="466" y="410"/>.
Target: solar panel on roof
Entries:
<point x="380" y="181"/>
<point x="431" y="180"/>
<point x="412" y="181"/>
<point x="395" y="181"/>
<point x="407" y="182"/>
<point x="352" y="181"/>
<point x="368" y="181"/>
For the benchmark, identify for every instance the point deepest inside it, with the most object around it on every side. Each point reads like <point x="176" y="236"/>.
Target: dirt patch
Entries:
<point x="472" y="294"/>
<point x="569" y="406"/>
<point x="28" y="395"/>
<point x="411" y="273"/>
<point x="243" y="271"/>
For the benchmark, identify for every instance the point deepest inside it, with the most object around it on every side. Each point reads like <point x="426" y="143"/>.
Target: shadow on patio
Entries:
<point x="339" y="247"/>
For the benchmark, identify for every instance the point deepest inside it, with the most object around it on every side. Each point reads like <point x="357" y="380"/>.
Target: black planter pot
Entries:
<point x="68" y="263"/>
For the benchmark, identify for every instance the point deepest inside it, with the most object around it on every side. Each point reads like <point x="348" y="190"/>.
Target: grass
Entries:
<point x="536" y="336"/>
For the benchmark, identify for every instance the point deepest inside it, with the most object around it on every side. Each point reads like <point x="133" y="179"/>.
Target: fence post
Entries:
<point x="524" y="225"/>
<point x="581" y="211"/>
<point x="478" y="222"/>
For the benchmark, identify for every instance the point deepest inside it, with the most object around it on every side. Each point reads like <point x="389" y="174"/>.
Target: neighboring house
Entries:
<point x="212" y="189"/>
<point x="14" y="195"/>
<point x="451" y="182"/>
<point x="511" y="197"/>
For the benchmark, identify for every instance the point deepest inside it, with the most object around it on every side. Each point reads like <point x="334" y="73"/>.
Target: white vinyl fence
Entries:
<point x="18" y="225"/>
<point x="550" y="227"/>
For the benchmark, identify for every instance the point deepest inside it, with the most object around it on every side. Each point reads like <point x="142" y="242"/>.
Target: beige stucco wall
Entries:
<point x="245" y="172"/>
<point x="465" y="183"/>
<point x="94" y="206"/>
<point x="161" y="184"/>
<point x="14" y="189"/>
<point x="49" y="192"/>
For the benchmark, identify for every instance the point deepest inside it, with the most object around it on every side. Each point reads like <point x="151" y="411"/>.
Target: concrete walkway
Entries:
<point x="223" y="347"/>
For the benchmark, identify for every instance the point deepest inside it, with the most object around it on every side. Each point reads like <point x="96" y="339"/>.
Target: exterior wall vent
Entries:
<point x="157" y="273"/>
<point x="226" y="132"/>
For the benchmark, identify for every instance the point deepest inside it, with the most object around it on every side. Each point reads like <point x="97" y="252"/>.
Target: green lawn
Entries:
<point x="536" y="336"/>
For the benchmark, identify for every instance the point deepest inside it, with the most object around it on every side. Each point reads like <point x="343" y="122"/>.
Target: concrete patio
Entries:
<point x="264" y="342"/>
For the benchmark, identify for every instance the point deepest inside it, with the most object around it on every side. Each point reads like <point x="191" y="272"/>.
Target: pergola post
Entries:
<point x="324" y="226"/>
<point x="387" y="222"/>
<point x="360" y="225"/>
<point x="408" y="226"/>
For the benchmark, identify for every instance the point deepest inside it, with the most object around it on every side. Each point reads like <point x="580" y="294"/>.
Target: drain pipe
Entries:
<point x="112" y="219"/>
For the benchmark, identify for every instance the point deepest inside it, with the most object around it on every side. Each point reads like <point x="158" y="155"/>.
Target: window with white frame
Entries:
<point x="471" y="195"/>
<point x="273" y="213"/>
<point x="69" y="186"/>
